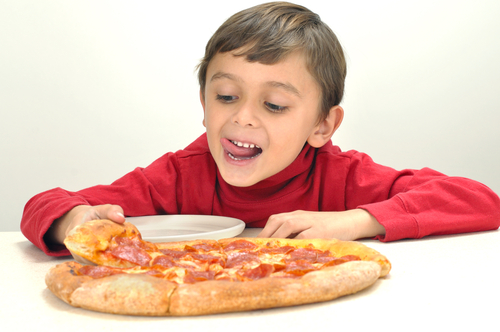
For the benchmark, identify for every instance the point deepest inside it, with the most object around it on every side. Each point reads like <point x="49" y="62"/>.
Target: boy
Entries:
<point x="271" y="83"/>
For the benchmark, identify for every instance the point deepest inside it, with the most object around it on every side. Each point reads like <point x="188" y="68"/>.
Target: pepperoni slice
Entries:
<point x="238" y="259"/>
<point x="135" y="241"/>
<point x="310" y="255"/>
<point x="164" y="261"/>
<point x="132" y="254"/>
<point x="299" y="267"/>
<point x="155" y="273"/>
<point x="168" y="262"/>
<point x="98" y="271"/>
<point x="203" y="247"/>
<point x="278" y="266"/>
<point x="325" y="253"/>
<point x="192" y="277"/>
<point x="277" y="250"/>
<point x="176" y="254"/>
<point x="239" y="245"/>
<point x="261" y="271"/>
<point x="211" y="259"/>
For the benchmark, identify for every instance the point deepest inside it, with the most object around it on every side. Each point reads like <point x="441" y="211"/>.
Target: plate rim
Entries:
<point x="233" y="230"/>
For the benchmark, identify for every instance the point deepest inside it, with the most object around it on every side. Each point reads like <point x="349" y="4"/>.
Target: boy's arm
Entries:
<point x="437" y="206"/>
<point x="418" y="203"/>
<point x="407" y="204"/>
<point x="47" y="216"/>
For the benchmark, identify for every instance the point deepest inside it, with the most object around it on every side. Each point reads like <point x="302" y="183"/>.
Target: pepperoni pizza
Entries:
<point x="135" y="277"/>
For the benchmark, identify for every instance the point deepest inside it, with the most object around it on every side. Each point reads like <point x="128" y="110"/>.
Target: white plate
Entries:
<point x="183" y="227"/>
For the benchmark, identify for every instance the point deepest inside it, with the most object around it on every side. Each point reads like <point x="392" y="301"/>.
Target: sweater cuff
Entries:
<point x="53" y="249"/>
<point x="39" y="215"/>
<point x="394" y="216"/>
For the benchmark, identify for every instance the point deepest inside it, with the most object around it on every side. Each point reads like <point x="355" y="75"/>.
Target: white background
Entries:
<point x="89" y="90"/>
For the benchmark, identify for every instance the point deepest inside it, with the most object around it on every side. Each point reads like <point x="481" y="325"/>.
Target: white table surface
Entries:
<point x="436" y="283"/>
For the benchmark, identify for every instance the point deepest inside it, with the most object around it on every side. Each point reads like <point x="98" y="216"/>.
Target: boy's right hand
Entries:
<point x="80" y="214"/>
<point x="83" y="213"/>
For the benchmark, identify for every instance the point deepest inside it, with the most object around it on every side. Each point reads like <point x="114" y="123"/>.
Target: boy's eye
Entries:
<point x="226" y="98"/>
<point x="275" y="108"/>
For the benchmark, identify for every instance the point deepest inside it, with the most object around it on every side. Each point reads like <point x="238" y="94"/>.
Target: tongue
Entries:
<point x="238" y="151"/>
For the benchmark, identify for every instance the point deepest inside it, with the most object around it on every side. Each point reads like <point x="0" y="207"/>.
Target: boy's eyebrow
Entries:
<point x="288" y="87"/>
<point x="221" y="74"/>
<point x="274" y="84"/>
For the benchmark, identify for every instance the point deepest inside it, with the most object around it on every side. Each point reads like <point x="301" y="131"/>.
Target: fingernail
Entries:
<point x="120" y="214"/>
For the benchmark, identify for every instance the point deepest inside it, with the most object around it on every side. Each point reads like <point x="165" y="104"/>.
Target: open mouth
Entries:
<point x="242" y="151"/>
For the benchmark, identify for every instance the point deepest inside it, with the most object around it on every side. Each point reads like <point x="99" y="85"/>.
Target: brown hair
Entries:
<point x="267" y="33"/>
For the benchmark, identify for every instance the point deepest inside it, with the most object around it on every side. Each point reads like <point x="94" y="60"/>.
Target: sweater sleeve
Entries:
<point x="418" y="203"/>
<point x="144" y="191"/>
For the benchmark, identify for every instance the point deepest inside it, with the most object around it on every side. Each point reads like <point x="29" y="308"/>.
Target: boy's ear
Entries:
<point x="324" y="131"/>
<point x="202" y="100"/>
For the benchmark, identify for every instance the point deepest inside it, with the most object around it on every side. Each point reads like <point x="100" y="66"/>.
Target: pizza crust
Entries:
<point x="125" y="294"/>
<point x="211" y="297"/>
<point x="62" y="280"/>
<point x="149" y="296"/>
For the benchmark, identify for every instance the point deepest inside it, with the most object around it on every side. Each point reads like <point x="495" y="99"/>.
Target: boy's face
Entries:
<point x="258" y="117"/>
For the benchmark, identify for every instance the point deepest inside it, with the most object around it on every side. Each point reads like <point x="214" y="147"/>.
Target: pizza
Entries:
<point x="131" y="276"/>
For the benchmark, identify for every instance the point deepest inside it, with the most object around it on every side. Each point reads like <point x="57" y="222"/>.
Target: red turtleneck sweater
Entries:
<point x="409" y="203"/>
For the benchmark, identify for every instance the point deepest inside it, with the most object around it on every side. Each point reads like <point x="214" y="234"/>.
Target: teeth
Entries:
<point x="245" y="145"/>
<point x="234" y="158"/>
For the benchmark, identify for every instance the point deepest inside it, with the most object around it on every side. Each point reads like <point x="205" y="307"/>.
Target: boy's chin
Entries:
<point x="239" y="181"/>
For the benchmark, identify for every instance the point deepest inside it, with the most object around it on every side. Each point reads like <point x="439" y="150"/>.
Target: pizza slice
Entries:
<point x="104" y="242"/>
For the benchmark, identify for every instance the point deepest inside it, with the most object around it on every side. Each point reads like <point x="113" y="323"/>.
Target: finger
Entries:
<point x="291" y="229"/>
<point x="310" y="233"/>
<point x="289" y="224"/>
<point x="268" y="229"/>
<point x="272" y="225"/>
<point x="116" y="214"/>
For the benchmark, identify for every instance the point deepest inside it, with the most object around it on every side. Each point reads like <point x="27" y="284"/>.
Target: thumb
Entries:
<point x="111" y="212"/>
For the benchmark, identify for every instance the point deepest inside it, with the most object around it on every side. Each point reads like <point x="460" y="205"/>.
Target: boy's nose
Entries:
<point x="245" y="116"/>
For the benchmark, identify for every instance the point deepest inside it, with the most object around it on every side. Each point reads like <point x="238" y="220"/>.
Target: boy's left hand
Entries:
<point x="345" y="225"/>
